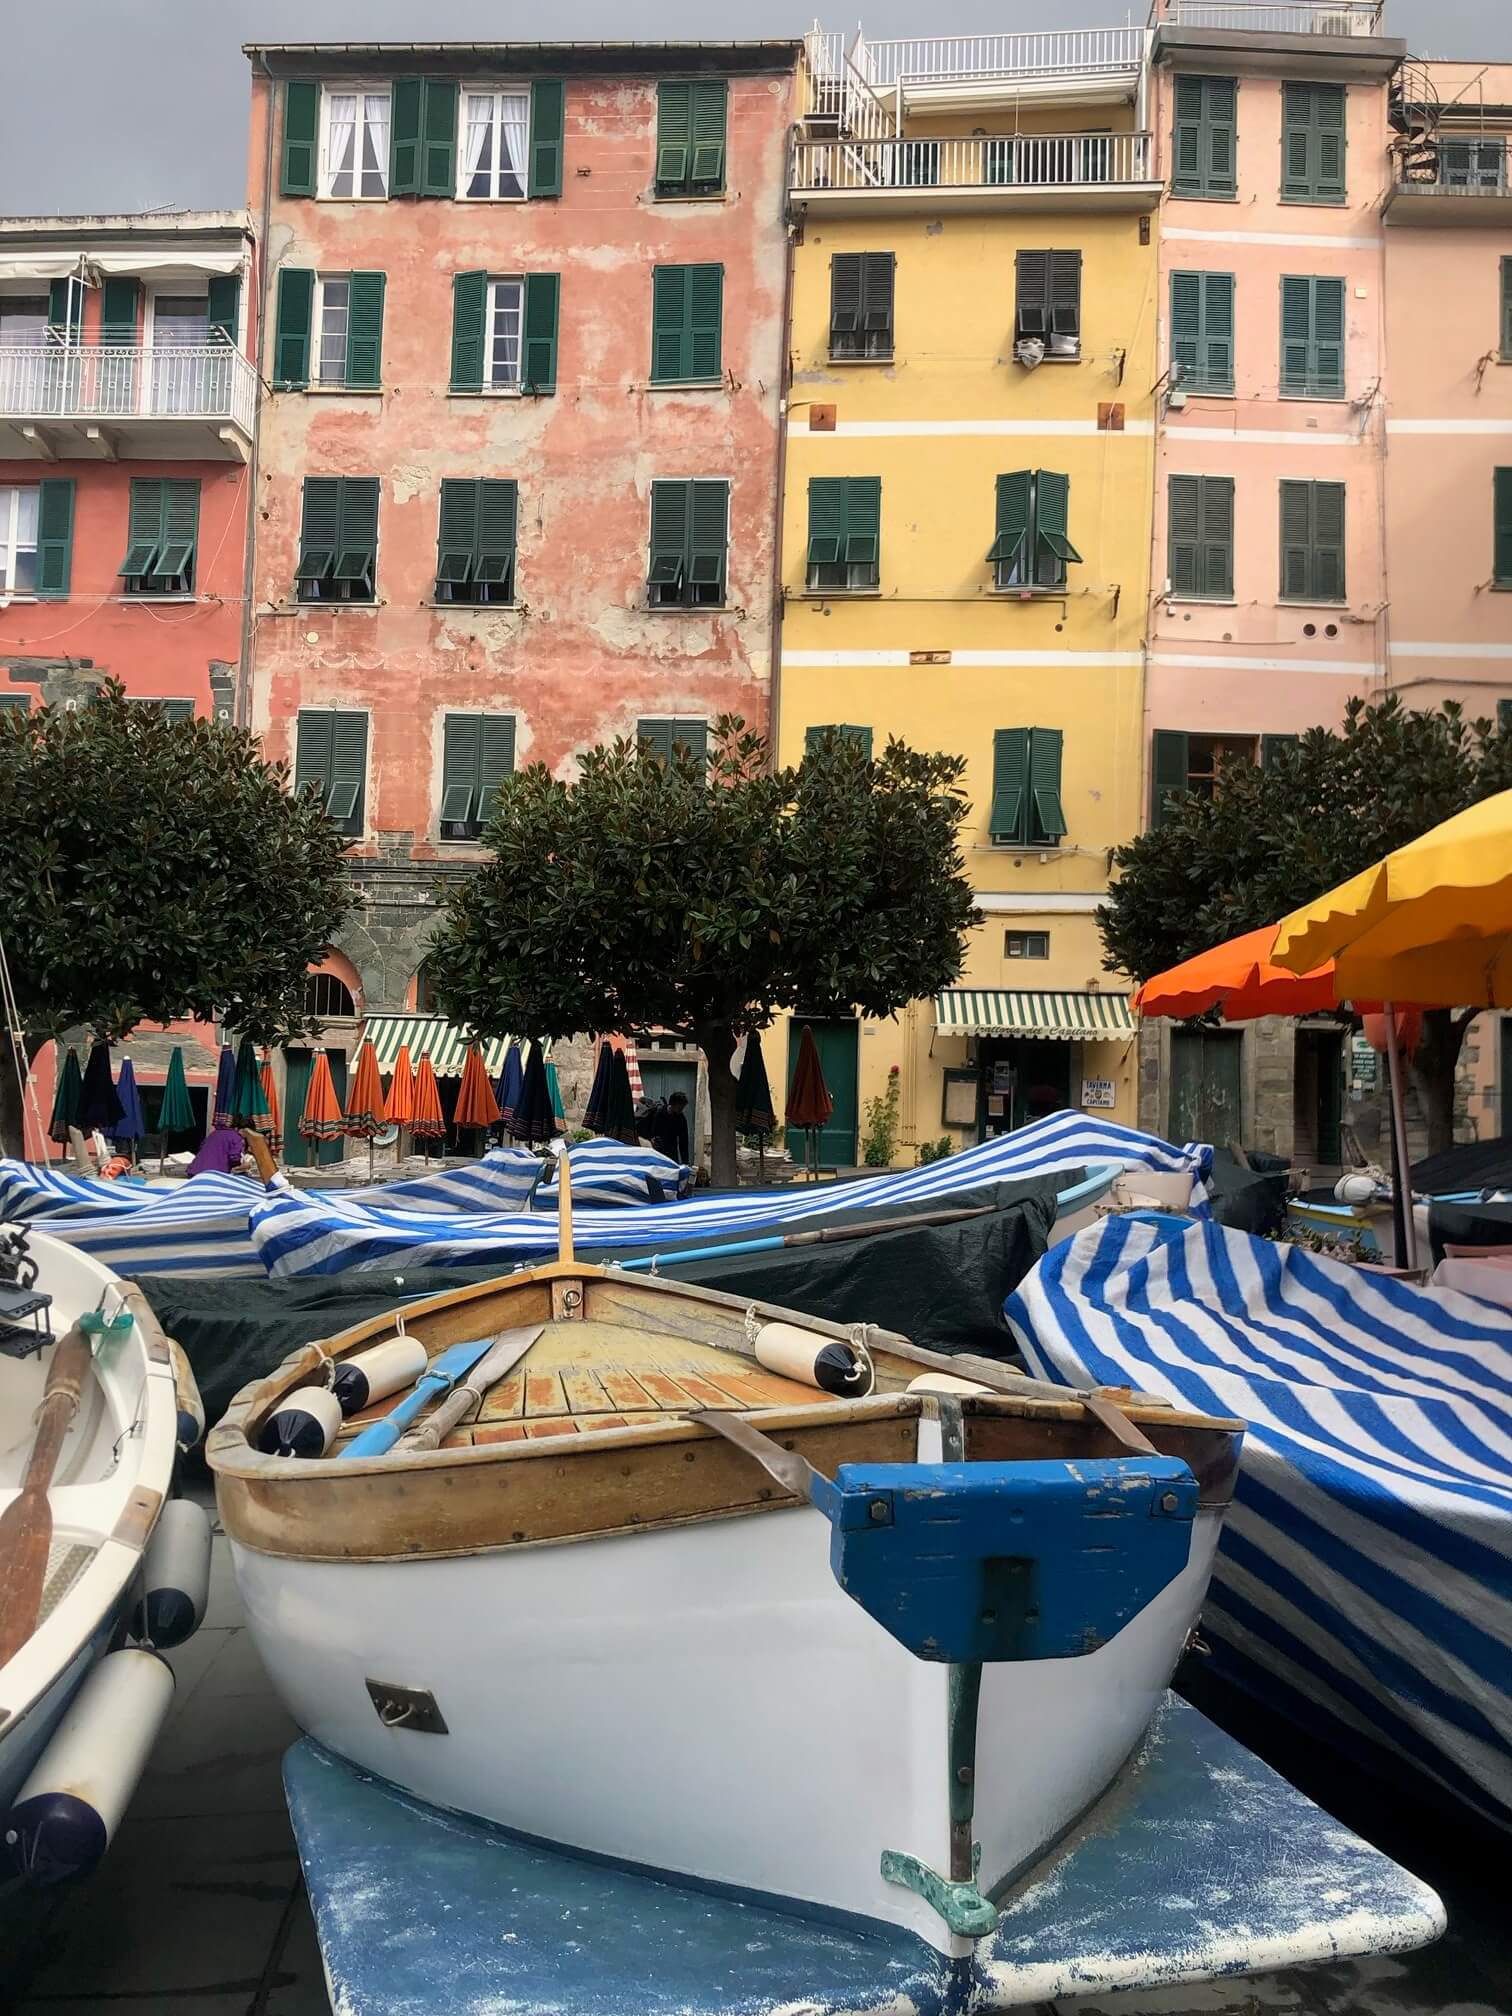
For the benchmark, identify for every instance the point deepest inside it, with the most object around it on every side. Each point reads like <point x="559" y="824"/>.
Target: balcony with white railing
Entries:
<point x="1279" y="17"/>
<point x="191" y="401"/>
<point x="1466" y="180"/>
<point x="1025" y="171"/>
<point x="945" y="70"/>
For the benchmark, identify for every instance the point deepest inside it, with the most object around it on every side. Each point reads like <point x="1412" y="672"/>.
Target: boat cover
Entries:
<point x="317" y="1234"/>
<point x="1467" y="1225"/>
<point x="608" y="1172"/>
<point x="1471" y="1166"/>
<point x="1364" y="1581"/>
<point x="940" y="1285"/>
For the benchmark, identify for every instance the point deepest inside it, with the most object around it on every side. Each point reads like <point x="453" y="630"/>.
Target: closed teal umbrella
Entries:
<point x="175" y="1113"/>
<point x="249" y="1102"/>
<point x="66" y="1099"/>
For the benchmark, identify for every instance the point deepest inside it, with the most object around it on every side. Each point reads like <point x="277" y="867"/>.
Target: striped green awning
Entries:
<point x="997" y="1011"/>
<point x="429" y="1036"/>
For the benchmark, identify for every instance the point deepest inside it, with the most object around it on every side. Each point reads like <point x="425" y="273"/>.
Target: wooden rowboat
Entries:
<point x="867" y="1652"/>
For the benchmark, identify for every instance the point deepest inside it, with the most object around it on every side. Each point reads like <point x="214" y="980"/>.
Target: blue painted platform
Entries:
<point x="1200" y="1861"/>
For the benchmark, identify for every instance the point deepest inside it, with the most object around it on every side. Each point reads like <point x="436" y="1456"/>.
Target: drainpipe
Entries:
<point x="784" y="392"/>
<point x="249" y="560"/>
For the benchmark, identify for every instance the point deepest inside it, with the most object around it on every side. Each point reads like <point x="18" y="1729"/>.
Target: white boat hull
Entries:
<point x="705" y="1699"/>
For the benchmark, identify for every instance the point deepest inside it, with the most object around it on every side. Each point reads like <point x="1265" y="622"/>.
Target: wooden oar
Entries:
<point x="453" y="1364"/>
<point x="468" y="1396"/>
<point x="26" y="1524"/>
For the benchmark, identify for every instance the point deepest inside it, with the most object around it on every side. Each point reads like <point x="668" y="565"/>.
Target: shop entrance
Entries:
<point x="1019" y="1079"/>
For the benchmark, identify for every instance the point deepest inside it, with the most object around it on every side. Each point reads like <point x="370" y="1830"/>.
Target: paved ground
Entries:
<point x="200" y="1910"/>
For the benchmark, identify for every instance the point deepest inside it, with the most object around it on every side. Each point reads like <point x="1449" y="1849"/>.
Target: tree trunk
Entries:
<point x="717" y="1042"/>
<point x="12" y="1106"/>
<point x="1432" y="1067"/>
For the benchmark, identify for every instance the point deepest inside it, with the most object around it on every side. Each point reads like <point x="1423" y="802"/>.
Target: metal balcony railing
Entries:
<point x="1038" y="160"/>
<point x="1455" y="168"/>
<point x="945" y="59"/>
<point x="198" y="381"/>
<point x="1280" y="17"/>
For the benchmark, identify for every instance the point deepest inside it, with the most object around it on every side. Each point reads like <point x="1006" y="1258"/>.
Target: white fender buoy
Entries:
<point x="380" y="1370"/>
<point x="62" y="1820"/>
<point x="175" y="1576"/>
<point x="305" y="1424"/>
<point x="943" y="1382"/>
<point x="825" y="1362"/>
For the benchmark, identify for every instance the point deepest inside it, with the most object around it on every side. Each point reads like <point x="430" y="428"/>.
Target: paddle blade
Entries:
<point x="26" y="1525"/>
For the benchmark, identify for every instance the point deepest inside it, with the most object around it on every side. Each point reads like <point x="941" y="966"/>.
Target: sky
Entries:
<point x="153" y="111"/>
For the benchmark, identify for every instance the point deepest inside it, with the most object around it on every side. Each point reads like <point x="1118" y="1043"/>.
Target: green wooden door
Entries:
<point x="660" y="1078"/>
<point x="838" y="1044"/>
<point x="297" y="1152"/>
<point x="1330" y="1051"/>
<point x="1205" y="1103"/>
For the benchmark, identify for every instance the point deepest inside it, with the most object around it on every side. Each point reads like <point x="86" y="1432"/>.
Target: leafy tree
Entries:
<point x="647" y="894"/>
<point x="154" y="870"/>
<point x="1271" y="838"/>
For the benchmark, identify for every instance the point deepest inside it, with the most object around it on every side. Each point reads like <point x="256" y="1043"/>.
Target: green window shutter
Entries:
<point x="548" y="114"/>
<point x="845" y="298"/>
<point x="178" y="529"/>
<point x="55" y="512"/>
<point x="1202" y="330"/>
<point x="1186" y="329"/>
<point x="708" y="534"/>
<point x="301" y="138"/>
<point x="1296" y="143"/>
<point x="848" y="731"/>
<point x="1504" y="716"/>
<point x="65" y="309"/>
<point x="1184" y="534"/>
<point x="1501" y="520"/>
<point x="674" y="137"/>
<point x="1010" y="548"/>
<point x="461" y="768"/>
<point x="1052" y="506"/>
<point x="670" y="503"/>
<point x="364" y="358"/>
<point x="1328" y="337"/>
<point x="312" y="748"/>
<point x="1186" y="138"/>
<point x="120" y="306"/>
<point x="826" y="520"/>
<point x="706" y="169"/>
<point x="357" y="538"/>
<point x="1009" y="816"/>
<point x="1047" y="817"/>
<point x="705" y="318"/>
<point x="1296" y="541"/>
<point x="438" y="138"/>
<point x="1506" y="308"/>
<point x="144" y="528"/>
<point x="1328" y="541"/>
<point x="861" y="304"/>
<point x="669" y="322"/>
<point x="1312" y="336"/>
<point x="405" y="116"/>
<point x="345" y="800"/>
<point x="292" y="321"/>
<point x="1065" y="294"/>
<point x="538" y="370"/>
<point x="657" y="735"/>
<point x="469" y="314"/>
<point x="1312" y="143"/>
<point x="692" y="735"/>
<point x="1216" y="532"/>
<point x="496" y="761"/>
<point x="1273" y="747"/>
<point x="457" y="530"/>
<point x="319" y="528"/>
<point x="813" y="737"/>
<point x="1204" y="139"/>
<point x="498" y="514"/>
<point x="1296" y="334"/>
<point x="1032" y="294"/>
<point x="225" y="307"/>
<point x="1169" y="765"/>
<point x="863" y="523"/>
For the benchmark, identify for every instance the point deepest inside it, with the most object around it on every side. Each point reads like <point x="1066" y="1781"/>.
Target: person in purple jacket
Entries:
<point x="222" y="1152"/>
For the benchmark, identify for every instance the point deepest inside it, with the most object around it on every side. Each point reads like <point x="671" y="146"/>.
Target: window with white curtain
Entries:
<point x="332" y="296"/>
<point x="18" y="540"/>
<point x="355" y="143"/>
<point x="495" y="134"/>
<point x="506" y="305"/>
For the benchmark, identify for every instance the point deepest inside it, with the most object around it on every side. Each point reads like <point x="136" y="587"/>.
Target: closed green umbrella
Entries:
<point x="753" y="1098"/>
<point x="619" y="1111"/>
<point x="554" y="1087"/>
<point x="66" y="1099"/>
<point x="249" y="1102"/>
<point x="175" y="1114"/>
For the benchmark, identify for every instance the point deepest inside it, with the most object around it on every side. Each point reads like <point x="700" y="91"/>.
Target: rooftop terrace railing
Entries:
<point x="1279" y="17"/>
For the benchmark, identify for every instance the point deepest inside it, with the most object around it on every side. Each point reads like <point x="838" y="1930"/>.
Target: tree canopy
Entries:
<point x="648" y="893"/>
<point x="155" y="870"/>
<point x="1272" y="837"/>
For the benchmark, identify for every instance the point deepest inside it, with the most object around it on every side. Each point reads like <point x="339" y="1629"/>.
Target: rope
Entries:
<point x="26" y="1084"/>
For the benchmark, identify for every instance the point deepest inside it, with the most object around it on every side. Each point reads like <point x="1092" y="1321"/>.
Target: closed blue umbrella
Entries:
<point x="532" y="1120"/>
<point x="131" y="1126"/>
<point x="598" y="1092"/>
<point x="511" y="1081"/>
<point x="225" y="1089"/>
<point x="98" y="1105"/>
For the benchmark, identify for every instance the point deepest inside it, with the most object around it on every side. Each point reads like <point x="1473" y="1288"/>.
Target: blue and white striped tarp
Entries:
<point x="42" y="1190"/>
<point x="1364" y="1581"/>
<point x="317" y="1234"/>
<point x="197" y="1227"/>
<point x="609" y="1172"/>
<point x="502" y="1181"/>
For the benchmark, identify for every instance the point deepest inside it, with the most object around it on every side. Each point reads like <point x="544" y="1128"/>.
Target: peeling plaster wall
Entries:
<point x="583" y="657"/>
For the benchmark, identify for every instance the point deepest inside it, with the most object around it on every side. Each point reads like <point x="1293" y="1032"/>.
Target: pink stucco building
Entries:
<point x="1269" y="601"/>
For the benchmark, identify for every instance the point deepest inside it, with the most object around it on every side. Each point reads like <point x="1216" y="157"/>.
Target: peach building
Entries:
<point x="1268" y="599"/>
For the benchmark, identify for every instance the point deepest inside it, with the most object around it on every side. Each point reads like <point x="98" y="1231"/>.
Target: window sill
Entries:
<point x="342" y="391"/>
<point x="1315" y="202"/>
<point x="837" y="594"/>
<point x="1312" y="601"/>
<point x="431" y="602"/>
<point x="685" y="384"/>
<point x="846" y="363"/>
<point x="484" y="392"/>
<point x="1501" y="587"/>
<point x="1024" y="846"/>
<point x="1207" y="392"/>
<point x="684" y="608"/>
<point x="323" y="197"/>
<point x="1314" y="398"/>
<point x="1048" y="359"/>
<point x="1031" y="591"/>
<point x="689" y="195"/>
<point x="1204" y="195"/>
<point x="1204" y="601"/>
<point x="312" y="607"/>
<point x="154" y="601"/>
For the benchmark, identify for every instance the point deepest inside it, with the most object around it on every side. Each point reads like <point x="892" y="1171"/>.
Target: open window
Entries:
<point x="338" y="540"/>
<point x="161" y="533"/>
<point x="1031" y="548"/>
<point x="475" y="547"/>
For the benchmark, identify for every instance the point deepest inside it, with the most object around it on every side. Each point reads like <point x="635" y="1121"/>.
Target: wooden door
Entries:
<point x="1205" y="1102"/>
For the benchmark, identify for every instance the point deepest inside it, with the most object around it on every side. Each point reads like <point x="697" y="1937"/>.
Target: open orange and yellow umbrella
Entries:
<point x="428" y="1122"/>
<point x="476" y="1104"/>
<point x="321" y="1119"/>
<point x="401" y="1092"/>
<point x="1239" y="978"/>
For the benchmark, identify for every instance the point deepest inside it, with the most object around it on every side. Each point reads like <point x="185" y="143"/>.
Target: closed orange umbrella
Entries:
<point x="401" y="1092"/>
<point x="809" y="1104"/>
<point x="321" y="1119"/>
<point x="272" y="1126"/>
<point x="427" y="1123"/>
<point x="476" y="1104"/>
<point x="1240" y="978"/>
<point x="366" y="1114"/>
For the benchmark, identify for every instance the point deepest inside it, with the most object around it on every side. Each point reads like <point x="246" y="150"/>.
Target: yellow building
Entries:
<point x="967" y="523"/>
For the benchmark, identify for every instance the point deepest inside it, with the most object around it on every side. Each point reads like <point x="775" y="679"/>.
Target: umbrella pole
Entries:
<point x="1403" y="1229"/>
